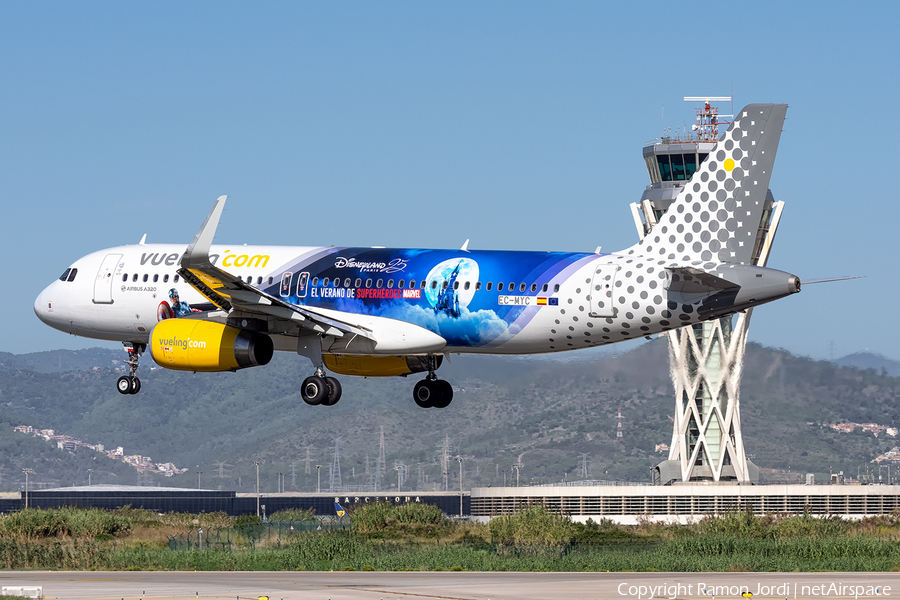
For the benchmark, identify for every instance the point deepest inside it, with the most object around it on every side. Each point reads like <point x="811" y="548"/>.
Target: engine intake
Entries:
<point x="195" y="345"/>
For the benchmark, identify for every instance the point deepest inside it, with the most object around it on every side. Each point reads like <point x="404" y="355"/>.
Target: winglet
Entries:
<point x="197" y="253"/>
<point x="465" y="247"/>
<point x="143" y="239"/>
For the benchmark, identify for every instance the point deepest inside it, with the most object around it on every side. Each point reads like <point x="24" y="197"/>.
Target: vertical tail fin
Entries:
<point x="716" y="216"/>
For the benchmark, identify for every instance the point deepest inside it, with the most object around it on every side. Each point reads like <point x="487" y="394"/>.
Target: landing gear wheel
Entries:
<point x="334" y="391"/>
<point x="314" y="390"/>
<point x="427" y="393"/>
<point x="129" y="384"/>
<point x="124" y="385"/>
<point x="446" y="395"/>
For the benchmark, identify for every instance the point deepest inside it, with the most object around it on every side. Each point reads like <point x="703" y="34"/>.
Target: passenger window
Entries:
<point x="490" y="285"/>
<point x="368" y="283"/>
<point x="146" y="277"/>
<point x="500" y="286"/>
<point x="468" y="283"/>
<point x="521" y="287"/>
<point x="390" y="284"/>
<point x="347" y="282"/>
<point x="336" y="282"/>
<point x="477" y="285"/>
<point x="401" y="285"/>
<point x="134" y="277"/>
<point x="445" y="284"/>
<point x="358" y="282"/>
<point x="65" y="274"/>
<point x="533" y="287"/>
<point x="124" y="278"/>
<point x="250" y="279"/>
<point x="259" y="281"/>
<point x="455" y="285"/>
<point x="325" y="281"/>
<point x="315" y="281"/>
<point x="433" y="283"/>
<point x="423" y="284"/>
<point x="176" y="278"/>
<point x="166" y="278"/>
<point x="270" y="281"/>
<point x="412" y="283"/>
<point x="555" y="288"/>
<point x="544" y="289"/>
<point x="155" y="278"/>
<point x="379" y="283"/>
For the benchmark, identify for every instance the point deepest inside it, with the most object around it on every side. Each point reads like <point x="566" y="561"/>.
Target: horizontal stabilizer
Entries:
<point x="688" y="280"/>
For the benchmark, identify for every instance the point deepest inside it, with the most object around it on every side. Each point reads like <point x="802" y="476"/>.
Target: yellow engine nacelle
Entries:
<point x="194" y="345"/>
<point x="377" y="366"/>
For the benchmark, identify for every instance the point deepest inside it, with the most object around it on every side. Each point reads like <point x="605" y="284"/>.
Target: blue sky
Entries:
<point x="516" y="124"/>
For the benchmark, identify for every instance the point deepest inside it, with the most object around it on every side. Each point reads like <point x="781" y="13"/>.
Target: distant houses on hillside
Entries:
<point x="70" y="444"/>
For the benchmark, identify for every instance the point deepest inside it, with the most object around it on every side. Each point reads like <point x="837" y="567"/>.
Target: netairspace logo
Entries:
<point x="779" y="590"/>
<point x="182" y="344"/>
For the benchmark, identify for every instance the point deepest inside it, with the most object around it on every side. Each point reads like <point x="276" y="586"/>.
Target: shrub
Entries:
<point x="385" y="519"/>
<point x="35" y="523"/>
<point x="293" y="514"/>
<point x="532" y="525"/>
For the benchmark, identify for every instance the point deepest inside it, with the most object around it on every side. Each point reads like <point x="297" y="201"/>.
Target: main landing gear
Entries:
<point x="432" y="392"/>
<point x="321" y="389"/>
<point x="130" y="384"/>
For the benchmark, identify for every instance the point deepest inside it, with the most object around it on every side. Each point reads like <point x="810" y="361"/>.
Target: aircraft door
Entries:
<point x="104" y="281"/>
<point x="602" y="286"/>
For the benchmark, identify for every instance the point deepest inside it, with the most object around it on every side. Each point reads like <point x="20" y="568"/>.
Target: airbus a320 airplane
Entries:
<point x="389" y="312"/>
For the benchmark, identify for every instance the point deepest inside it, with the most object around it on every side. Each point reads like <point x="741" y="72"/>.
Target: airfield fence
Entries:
<point x="250" y="535"/>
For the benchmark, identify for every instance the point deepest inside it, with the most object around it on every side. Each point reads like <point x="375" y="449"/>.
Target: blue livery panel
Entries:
<point x="471" y="299"/>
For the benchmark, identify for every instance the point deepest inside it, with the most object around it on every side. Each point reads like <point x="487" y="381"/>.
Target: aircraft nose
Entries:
<point x="43" y="306"/>
<point x="38" y="302"/>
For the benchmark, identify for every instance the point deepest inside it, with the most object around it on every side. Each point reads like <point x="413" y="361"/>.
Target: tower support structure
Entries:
<point x="705" y="360"/>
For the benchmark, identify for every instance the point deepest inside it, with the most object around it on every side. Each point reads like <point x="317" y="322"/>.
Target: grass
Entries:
<point x="418" y="537"/>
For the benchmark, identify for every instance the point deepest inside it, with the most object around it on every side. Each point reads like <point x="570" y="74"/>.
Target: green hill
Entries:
<point x="543" y="412"/>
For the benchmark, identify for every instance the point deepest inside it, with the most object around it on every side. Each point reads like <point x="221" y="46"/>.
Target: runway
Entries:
<point x="167" y="585"/>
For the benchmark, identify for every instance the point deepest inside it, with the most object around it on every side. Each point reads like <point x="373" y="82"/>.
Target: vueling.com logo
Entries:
<point x="173" y="343"/>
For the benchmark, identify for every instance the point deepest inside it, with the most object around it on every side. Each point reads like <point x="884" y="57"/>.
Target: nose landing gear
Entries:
<point x="130" y="384"/>
<point x="432" y="392"/>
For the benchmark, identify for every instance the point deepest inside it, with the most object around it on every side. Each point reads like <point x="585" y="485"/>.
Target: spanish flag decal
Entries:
<point x="542" y="301"/>
<point x="339" y="510"/>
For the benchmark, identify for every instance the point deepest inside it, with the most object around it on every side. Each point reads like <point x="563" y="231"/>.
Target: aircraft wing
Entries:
<point x="230" y="293"/>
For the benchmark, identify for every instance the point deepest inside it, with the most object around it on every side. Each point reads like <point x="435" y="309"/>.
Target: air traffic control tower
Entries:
<point x="706" y="359"/>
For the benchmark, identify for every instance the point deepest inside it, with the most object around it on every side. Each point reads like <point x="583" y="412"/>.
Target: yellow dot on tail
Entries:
<point x="729" y="164"/>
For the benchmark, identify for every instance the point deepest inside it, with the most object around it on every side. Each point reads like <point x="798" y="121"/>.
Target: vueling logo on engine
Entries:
<point x="172" y="343"/>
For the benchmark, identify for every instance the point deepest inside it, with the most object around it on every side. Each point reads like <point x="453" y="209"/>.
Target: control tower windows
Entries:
<point x="678" y="167"/>
<point x="690" y="164"/>
<point x="665" y="168"/>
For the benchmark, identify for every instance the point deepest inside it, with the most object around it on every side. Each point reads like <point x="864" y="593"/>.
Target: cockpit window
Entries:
<point x="72" y="274"/>
<point x="65" y="274"/>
